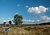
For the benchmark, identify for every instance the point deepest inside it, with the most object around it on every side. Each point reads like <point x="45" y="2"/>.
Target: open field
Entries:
<point x="26" y="30"/>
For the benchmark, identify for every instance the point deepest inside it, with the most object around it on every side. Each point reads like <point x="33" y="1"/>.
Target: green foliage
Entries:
<point x="4" y="23"/>
<point x="18" y="19"/>
<point x="10" y="22"/>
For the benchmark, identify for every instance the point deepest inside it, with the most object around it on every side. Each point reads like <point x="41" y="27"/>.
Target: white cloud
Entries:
<point x="18" y="5"/>
<point x="16" y="13"/>
<point x="38" y="10"/>
<point x="4" y="20"/>
<point x="38" y="20"/>
<point x="45" y="18"/>
<point x="26" y="6"/>
<point x="29" y="20"/>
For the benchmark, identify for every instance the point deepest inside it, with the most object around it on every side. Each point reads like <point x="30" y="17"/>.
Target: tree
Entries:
<point x="4" y="23"/>
<point x="10" y="22"/>
<point x="18" y="19"/>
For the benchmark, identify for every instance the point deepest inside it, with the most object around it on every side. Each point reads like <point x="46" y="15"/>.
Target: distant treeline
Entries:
<point x="47" y="23"/>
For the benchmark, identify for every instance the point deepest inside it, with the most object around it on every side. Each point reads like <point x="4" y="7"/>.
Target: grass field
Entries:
<point x="26" y="30"/>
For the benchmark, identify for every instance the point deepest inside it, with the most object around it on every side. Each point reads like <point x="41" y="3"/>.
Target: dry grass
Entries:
<point x="27" y="30"/>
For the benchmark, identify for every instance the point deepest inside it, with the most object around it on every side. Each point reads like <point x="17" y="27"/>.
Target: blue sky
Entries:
<point x="8" y="8"/>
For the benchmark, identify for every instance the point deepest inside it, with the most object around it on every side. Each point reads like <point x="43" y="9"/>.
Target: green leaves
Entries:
<point x="18" y="19"/>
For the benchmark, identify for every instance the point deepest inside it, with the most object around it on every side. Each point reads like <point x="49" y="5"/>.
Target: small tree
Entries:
<point x="10" y="22"/>
<point x="18" y="19"/>
<point x="4" y="23"/>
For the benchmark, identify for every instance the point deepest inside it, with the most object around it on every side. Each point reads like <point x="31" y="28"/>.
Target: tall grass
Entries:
<point x="26" y="31"/>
